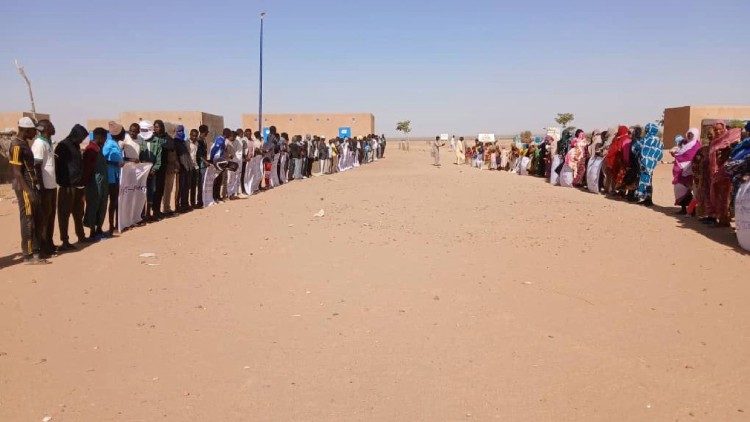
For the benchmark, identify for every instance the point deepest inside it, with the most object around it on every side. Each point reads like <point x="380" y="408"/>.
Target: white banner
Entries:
<point x="444" y="136"/>
<point x="486" y="137"/>
<point x="554" y="178"/>
<point x="208" y="185"/>
<point x="233" y="178"/>
<point x="132" y="197"/>
<point x="275" y="170"/>
<point x="593" y="173"/>
<point x="742" y="215"/>
<point x="253" y="172"/>
<point x="283" y="168"/>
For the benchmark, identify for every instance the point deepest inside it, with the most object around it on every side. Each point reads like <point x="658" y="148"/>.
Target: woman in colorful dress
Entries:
<point x="720" y="188"/>
<point x="650" y="152"/>
<point x="682" y="170"/>
<point x="616" y="160"/>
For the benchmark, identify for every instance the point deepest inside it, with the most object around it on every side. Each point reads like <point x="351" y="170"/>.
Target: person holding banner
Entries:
<point x="129" y="145"/>
<point x="150" y="152"/>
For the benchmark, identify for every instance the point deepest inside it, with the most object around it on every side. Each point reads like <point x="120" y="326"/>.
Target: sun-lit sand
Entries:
<point x="422" y="294"/>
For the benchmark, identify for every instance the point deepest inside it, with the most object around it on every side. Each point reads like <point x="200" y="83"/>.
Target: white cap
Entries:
<point x="26" y="123"/>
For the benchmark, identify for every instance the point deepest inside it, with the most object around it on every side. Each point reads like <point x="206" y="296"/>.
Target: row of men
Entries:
<point x="62" y="179"/>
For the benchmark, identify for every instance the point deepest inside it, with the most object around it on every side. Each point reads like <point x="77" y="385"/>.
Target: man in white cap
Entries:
<point x="26" y="186"/>
<point x="44" y="160"/>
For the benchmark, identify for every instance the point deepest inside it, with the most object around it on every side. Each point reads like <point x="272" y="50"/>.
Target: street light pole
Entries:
<point x="260" y="79"/>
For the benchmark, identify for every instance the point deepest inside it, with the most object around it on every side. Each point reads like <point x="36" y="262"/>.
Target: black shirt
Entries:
<point x="201" y="154"/>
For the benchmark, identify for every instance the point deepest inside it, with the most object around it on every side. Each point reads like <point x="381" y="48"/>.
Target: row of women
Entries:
<point x="708" y="168"/>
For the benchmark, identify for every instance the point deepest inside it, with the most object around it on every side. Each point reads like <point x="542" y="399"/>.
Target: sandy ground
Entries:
<point x="422" y="294"/>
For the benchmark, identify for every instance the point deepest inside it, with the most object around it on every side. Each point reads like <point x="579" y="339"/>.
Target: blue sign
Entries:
<point x="345" y="132"/>
<point x="266" y="132"/>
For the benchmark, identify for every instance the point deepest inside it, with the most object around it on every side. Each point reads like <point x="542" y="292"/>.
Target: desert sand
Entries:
<point x="423" y="294"/>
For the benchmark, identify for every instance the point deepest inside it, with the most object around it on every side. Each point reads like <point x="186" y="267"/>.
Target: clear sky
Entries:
<point x="448" y="66"/>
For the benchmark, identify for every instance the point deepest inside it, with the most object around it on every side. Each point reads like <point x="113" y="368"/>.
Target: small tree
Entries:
<point x="661" y="121"/>
<point x="404" y="127"/>
<point x="563" y="119"/>
<point x="736" y="124"/>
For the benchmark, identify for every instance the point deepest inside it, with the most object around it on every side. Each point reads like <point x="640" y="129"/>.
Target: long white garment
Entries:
<point x="593" y="173"/>
<point x="283" y="174"/>
<point x="742" y="215"/>
<point x="132" y="196"/>
<point x="233" y="179"/>
<point x="274" y="170"/>
<point x="554" y="178"/>
<point x="566" y="177"/>
<point x="253" y="171"/>
<point x="523" y="168"/>
<point x="208" y="185"/>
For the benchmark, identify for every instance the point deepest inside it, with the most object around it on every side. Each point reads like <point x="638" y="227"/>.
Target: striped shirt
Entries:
<point x="21" y="155"/>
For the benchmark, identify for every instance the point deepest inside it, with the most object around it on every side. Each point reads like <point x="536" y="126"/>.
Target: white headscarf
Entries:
<point x="147" y="129"/>
<point x="687" y="146"/>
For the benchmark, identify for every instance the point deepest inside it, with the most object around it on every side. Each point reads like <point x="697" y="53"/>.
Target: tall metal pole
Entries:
<point x="260" y="79"/>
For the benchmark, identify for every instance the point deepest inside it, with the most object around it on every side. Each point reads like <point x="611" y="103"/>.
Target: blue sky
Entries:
<point x="449" y="66"/>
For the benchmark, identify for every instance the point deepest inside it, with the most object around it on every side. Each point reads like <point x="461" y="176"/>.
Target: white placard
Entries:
<point x="486" y="138"/>
<point x="233" y="179"/>
<point x="132" y="196"/>
<point x="208" y="185"/>
<point x="742" y="215"/>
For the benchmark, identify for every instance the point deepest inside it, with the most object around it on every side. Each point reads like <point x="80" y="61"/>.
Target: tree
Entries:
<point x="563" y="119"/>
<point x="661" y="121"/>
<point x="404" y="127"/>
<point x="734" y="124"/>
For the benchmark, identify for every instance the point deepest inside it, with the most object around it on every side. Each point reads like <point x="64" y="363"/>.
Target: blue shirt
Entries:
<point x="113" y="154"/>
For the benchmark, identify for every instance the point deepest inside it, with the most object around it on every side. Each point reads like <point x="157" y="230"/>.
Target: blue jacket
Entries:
<point x="217" y="150"/>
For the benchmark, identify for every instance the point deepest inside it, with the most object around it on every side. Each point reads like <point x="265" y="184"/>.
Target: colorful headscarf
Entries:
<point x="179" y="132"/>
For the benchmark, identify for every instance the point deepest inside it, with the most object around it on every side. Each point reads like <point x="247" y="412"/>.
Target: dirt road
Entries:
<point x="422" y="294"/>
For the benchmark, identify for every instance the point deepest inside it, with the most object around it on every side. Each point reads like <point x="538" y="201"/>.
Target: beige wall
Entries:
<point x="9" y="119"/>
<point x="189" y="119"/>
<point x="321" y="124"/>
<point x="92" y="124"/>
<point x="678" y="120"/>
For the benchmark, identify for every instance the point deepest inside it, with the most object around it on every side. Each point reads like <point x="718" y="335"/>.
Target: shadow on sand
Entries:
<point x="725" y="236"/>
<point x="17" y="258"/>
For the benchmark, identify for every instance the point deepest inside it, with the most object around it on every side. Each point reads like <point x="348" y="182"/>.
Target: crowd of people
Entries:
<point x="619" y="162"/>
<point x="78" y="177"/>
